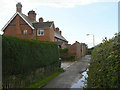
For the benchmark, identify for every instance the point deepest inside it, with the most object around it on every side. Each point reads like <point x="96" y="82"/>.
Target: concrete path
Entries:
<point x="65" y="65"/>
<point x="71" y="75"/>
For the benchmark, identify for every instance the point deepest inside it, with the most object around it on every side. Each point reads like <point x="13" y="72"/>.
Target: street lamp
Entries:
<point x="93" y="39"/>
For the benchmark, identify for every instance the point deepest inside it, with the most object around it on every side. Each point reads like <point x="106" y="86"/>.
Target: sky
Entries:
<point x="75" y="18"/>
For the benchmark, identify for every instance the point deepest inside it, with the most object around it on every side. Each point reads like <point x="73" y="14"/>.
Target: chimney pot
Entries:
<point x="60" y="32"/>
<point x="19" y="7"/>
<point x="41" y="19"/>
<point x="76" y="42"/>
<point x="32" y="15"/>
<point x="57" y="29"/>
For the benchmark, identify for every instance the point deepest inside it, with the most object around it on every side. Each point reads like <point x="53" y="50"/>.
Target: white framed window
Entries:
<point x="40" y="32"/>
<point x="25" y="32"/>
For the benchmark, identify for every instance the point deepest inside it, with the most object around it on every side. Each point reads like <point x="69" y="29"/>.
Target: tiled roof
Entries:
<point x="35" y="24"/>
<point x="29" y="20"/>
<point x="59" y="36"/>
<point x="59" y="43"/>
<point x="68" y="45"/>
<point x="42" y="25"/>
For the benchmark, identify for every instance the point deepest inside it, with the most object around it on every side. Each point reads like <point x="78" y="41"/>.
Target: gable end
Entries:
<point x="17" y="13"/>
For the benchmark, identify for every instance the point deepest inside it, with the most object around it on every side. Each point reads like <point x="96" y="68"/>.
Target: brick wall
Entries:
<point x="45" y="37"/>
<point x="72" y="49"/>
<point x="17" y="27"/>
<point x="77" y="49"/>
<point x="52" y="38"/>
<point x="84" y="50"/>
<point x="48" y="35"/>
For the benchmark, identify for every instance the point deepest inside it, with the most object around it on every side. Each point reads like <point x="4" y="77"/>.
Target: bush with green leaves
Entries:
<point x="23" y="56"/>
<point x="104" y="66"/>
<point x="64" y="55"/>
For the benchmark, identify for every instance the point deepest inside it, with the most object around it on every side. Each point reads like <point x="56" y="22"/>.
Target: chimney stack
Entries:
<point x="57" y="30"/>
<point x="41" y="19"/>
<point x="60" y="32"/>
<point x="32" y="15"/>
<point x="19" y="7"/>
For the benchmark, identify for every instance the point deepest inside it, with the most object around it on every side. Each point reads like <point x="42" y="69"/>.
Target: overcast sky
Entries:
<point x="75" y="18"/>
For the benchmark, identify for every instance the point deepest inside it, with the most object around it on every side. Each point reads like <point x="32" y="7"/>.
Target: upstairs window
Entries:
<point x="40" y="32"/>
<point x="25" y="32"/>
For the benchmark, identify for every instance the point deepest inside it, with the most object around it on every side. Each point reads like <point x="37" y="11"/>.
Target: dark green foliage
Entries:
<point x="64" y="55"/>
<point x="89" y="51"/>
<point x="62" y="51"/>
<point x="68" y="58"/>
<point x="23" y="56"/>
<point x="104" y="66"/>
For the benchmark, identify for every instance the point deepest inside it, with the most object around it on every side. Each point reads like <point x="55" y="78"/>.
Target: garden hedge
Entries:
<point x="64" y="55"/>
<point x="21" y="56"/>
<point x="104" y="69"/>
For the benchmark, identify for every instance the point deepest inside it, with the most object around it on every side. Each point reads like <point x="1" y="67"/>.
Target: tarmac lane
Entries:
<point x="71" y="75"/>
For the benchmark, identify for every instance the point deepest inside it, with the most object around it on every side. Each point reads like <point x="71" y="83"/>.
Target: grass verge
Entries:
<point x="45" y="81"/>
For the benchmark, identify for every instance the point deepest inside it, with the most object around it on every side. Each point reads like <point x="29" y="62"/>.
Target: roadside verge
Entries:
<point x="43" y="82"/>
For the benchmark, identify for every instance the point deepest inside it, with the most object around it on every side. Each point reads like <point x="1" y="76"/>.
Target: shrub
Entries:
<point x="68" y="58"/>
<point x="104" y="65"/>
<point x="64" y="55"/>
<point x="62" y="51"/>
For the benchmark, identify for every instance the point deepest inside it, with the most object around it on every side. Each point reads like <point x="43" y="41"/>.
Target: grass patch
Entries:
<point x="45" y="81"/>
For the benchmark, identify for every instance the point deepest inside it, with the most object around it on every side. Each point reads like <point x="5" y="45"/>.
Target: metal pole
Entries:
<point x="93" y="39"/>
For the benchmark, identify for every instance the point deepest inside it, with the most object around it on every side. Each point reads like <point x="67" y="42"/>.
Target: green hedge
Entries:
<point x="62" y="51"/>
<point x="104" y="66"/>
<point x="21" y="56"/>
<point x="64" y="55"/>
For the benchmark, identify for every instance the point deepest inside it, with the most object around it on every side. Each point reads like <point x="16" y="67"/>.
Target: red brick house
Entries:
<point x="77" y="49"/>
<point x="27" y="27"/>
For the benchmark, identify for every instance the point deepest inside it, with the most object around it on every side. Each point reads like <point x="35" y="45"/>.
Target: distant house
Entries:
<point x="77" y="49"/>
<point x="27" y="27"/>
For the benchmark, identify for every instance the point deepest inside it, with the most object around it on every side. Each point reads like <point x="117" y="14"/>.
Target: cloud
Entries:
<point x="63" y="3"/>
<point x="67" y="3"/>
<point x="5" y="5"/>
<point x="54" y="3"/>
<point x="8" y="7"/>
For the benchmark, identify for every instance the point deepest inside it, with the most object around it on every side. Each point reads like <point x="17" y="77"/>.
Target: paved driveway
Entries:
<point x="71" y="75"/>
